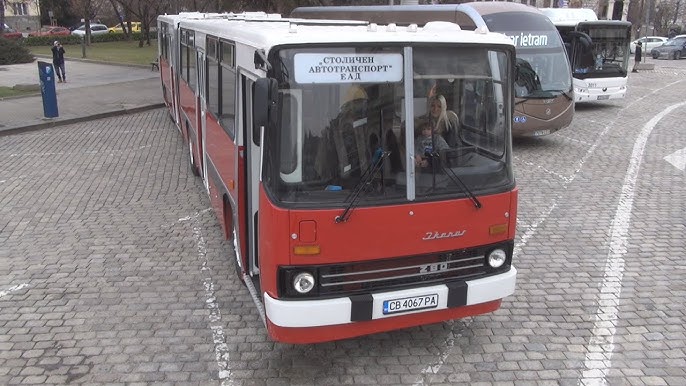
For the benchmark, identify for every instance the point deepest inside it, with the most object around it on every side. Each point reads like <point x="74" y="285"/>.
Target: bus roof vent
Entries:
<point x="412" y="28"/>
<point x="372" y="27"/>
<point x="441" y="26"/>
<point x="391" y="27"/>
<point x="292" y="28"/>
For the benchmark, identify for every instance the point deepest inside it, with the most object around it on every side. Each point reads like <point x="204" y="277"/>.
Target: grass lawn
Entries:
<point x="9" y="92"/>
<point x="114" y="52"/>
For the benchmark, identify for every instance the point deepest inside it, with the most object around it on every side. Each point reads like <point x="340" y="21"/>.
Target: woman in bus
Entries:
<point x="444" y="122"/>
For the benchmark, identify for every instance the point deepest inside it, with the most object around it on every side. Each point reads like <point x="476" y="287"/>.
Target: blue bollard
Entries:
<point x="47" y="89"/>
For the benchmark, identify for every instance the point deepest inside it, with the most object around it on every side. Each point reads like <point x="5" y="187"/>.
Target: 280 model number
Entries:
<point x="410" y="304"/>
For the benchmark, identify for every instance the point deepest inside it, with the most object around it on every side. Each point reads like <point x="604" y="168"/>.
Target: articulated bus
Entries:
<point x="598" y="52"/>
<point x="544" y="101"/>
<point x="303" y="132"/>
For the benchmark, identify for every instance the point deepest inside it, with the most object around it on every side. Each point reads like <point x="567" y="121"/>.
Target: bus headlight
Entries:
<point x="497" y="258"/>
<point x="303" y="282"/>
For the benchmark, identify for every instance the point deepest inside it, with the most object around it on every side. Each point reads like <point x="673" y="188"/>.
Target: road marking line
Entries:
<point x="221" y="349"/>
<point x="13" y="289"/>
<point x="600" y="348"/>
<point x="450" y="343"/>
<point x="677" y="159"/>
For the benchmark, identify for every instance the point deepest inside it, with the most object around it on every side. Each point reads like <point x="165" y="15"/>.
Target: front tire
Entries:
<point x="677" y="55"/>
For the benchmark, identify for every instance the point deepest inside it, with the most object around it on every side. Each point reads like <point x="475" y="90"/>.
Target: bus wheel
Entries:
<point x="232" y="238"/>
<point x="194" y="169"/>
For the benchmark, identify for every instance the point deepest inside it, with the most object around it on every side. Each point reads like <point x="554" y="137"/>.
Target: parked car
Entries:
<point x="96" y="29"/>
<point x="671" y="49"/>
<point x="82" y="23"/>
<point x="10" y="33"/>
<point x="136" y="26"/>
<point x="51" y="30"/>
<point x="648" y="43"/>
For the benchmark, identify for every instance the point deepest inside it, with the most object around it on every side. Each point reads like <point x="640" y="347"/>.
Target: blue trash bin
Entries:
<point x="47" y="89"/>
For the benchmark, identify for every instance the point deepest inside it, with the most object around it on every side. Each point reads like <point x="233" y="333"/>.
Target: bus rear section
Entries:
<point x="364" y="172"/>
<point x="544" y="100"/>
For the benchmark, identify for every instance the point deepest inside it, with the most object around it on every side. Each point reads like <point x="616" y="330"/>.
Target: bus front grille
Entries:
<point x="345" y="279"/>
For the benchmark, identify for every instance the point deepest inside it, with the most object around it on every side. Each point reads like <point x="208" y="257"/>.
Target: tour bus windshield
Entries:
<point x="608" y="55"/>
<point x="540" y="53"/>
<point x="345" y="114"/>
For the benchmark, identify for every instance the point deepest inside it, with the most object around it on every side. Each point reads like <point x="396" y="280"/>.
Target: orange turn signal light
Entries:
<point x="497" y="229"/>
<point x="306" y="249"/>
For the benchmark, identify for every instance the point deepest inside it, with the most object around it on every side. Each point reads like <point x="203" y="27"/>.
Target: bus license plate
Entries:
<point x="538" y="133"/>
<point x="410" y="304"/>
<point x="601" y="97"/>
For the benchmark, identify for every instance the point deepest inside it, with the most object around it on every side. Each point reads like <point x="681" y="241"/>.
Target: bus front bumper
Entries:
<point x="345" y="310"/>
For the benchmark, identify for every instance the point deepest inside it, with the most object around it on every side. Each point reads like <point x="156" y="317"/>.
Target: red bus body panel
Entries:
<point x="377" y="233"/>
<point x="166" y="78"/>
<point x="223" y="155"/>
<point x="189" y="103"/>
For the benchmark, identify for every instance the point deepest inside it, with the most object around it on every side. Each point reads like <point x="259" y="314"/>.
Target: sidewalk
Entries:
<point x="93" y="91"/>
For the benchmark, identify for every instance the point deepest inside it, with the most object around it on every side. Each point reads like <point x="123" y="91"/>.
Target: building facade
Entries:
<point x="23" y="15"/>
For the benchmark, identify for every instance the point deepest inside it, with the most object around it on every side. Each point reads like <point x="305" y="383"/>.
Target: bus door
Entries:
<point x="252" y="142"/>
<point x="202" y="126"/>
<point x="173" y="42"/>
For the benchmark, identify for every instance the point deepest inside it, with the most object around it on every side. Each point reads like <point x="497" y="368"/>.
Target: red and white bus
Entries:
<point x="343" y="223"/>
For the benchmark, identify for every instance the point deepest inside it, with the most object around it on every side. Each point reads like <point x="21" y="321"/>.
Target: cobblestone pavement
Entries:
<point x="113" y="269"/>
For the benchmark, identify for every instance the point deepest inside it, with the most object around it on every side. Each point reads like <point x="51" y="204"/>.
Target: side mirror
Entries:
<point x="264" y="107"/>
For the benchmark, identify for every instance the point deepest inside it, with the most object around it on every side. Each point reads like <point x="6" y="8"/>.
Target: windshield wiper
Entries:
<point x="365" y="179"/>
<point x="451" y="174"/>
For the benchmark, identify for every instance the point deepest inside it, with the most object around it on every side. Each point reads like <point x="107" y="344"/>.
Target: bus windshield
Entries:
<point x="608" y="55"/>
<point x="345" y="115"/>
<point x="541" y="60"/>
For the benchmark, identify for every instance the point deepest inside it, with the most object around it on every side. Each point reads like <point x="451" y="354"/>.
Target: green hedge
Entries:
<point x="12" y="51"/>
<point x="47" y="40"/>
<point x="73" y="39"/>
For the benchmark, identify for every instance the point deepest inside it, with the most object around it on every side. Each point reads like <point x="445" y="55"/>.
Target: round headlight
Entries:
<point x="497" y="258"/>
<point x="303" y="282"/>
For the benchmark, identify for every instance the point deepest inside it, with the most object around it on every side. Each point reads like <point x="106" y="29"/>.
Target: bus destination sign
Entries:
<point x="347" y="68"/>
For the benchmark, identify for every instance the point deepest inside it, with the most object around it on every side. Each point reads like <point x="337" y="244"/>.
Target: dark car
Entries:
<point x="671" y="49"/>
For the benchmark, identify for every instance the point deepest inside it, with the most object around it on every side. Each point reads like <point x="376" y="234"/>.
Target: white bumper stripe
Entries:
<point x="314" y="313"/>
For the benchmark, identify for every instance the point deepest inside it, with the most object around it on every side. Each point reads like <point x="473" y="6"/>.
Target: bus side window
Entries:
<point x="289" y="157"/>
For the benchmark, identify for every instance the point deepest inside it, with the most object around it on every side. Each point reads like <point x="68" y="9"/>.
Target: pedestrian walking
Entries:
<point x="58" y="61"/>
<point x="638" y="57"/>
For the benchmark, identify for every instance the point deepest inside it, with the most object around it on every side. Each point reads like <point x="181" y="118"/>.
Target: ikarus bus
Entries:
<point x="345" y="221"/>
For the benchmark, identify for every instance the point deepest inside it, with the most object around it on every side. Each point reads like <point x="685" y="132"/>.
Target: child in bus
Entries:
<point x="428" y="145"/>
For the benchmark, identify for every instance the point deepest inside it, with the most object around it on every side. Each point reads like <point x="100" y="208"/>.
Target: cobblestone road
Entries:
<point x="113" y="270"/>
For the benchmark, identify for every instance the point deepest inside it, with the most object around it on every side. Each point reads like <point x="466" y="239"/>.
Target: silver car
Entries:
<point x="96" y="29"/>
<point x="648" y="43"/>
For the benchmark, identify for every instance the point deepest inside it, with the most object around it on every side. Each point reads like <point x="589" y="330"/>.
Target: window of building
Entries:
<point x="20" y="9"/>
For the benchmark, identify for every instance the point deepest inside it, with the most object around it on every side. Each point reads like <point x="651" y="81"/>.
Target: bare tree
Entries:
<point x="664" y="14"/>
<point x="146" y="12"/>
<point x="88" y="9"/>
